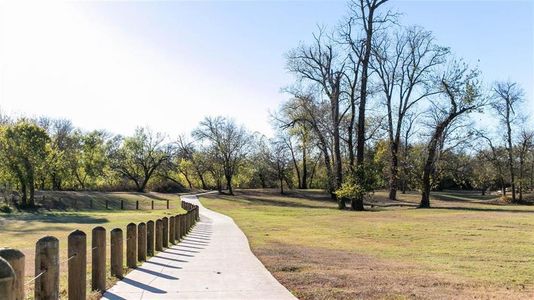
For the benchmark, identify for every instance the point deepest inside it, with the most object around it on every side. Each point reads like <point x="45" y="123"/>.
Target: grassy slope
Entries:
<point x="457" y="248"/>
<point x="22" y="230"/>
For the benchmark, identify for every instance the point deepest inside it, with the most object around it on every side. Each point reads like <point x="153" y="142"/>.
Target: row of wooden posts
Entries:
<point x="107" y="203"/>
<point x="142" y="240"/>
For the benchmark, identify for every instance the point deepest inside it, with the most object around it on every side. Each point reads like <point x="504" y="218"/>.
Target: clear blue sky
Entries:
<point x="116" y="65"/>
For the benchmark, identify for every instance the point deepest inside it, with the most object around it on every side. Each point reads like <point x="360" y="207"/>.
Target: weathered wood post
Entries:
<point x="131" y="245"/>
<point x="137" y="204"/>
<point x="7" y="280"/>
<point x="177" y="228"/>
<point x="150" y="238"/>
<point x="168" y="204"/>
<point x="141" y="242"/>
<point x="47" y="268"/>
<point x="116" y="252"/>
<point x="16" y="260"/>
<point x="122" y="204"/>
<point x="98" y="259"/>
<point x="77" y="256"/>
<point x="159" y="235"/>
<point x="187" y="221"/>
<point x="165" y="221"/>
<point x="171" y="230"/>
<point x="152" y="205"/>
<point x="182" y="226"/>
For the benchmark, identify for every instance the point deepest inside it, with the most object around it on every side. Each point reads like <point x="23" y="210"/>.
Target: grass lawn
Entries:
<point x="461" y="248"/>
<point x="21" y="230"/>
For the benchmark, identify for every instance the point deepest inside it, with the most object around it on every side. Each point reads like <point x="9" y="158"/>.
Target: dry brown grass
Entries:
<point x="466" y="247"/>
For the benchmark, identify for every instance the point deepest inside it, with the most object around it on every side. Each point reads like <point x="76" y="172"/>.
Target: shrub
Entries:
<point x="6" y="209"/>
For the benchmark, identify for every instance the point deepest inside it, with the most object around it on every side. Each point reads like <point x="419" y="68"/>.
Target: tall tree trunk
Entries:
<point x="304" y="184"/>
<point x="357" y="203"/>
<point x="510" y="153"/>
<point x="229" y="184"/>
<point x="202" y="181"/>
<point x="295" y="163"/>
<point x="394" y="171"/>
<point x="31" y="188"/>
<point x="431" y="158"/>
<point x="521" y="166"/>
<point x="23" y="191"/>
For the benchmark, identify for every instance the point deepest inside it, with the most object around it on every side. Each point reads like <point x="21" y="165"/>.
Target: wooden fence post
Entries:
<point x="171" y="230"/>
<point x="77" y="257"/>
<point x="187" y="221"/>
<point x="177" y="228"/>
<point x="159" y="235"/>
<point x="131" y="245"/>
<point x="137" y="204"/>
<point x="47" y="268"/>
<point x="152" y="205"/>
<point x="182" y="226"/>
<point x="7" y="280"/>
<point x="141" y="242"/>
<point x="122" y="204"/>
<point x="150" y="238"/>
<point x="116" y="252"/>
<point x="168" y="204"/>
<point x="16" y="260"/>
<point x="98" y="259"/>
<point x="165" y="221"/>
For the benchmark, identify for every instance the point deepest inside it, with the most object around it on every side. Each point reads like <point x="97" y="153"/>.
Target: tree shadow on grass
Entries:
<point x="486" y="209"/>
<point x="57" y="218"/>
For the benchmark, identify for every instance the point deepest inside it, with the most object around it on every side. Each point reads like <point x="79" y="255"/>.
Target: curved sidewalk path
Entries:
<point x="214" y="261"/>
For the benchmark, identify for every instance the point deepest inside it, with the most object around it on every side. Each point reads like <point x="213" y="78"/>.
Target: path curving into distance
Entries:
<point x="214" y="261"/>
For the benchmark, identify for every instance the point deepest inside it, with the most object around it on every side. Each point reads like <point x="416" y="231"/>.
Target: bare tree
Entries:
<point x="507" y="96"/>
<point x="526" y="141"/>
<point x="228" y="142"/>
<point x="321" y="65"/>
<point x="364" y="13"/>
<point x="493" y="155"/>
<point x="404" y="63"/>
<point x="459" y="95"/>
<point x="304" y="109"/>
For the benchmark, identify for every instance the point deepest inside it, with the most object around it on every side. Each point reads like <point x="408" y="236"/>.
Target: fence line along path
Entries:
<point x="213" y="261"/>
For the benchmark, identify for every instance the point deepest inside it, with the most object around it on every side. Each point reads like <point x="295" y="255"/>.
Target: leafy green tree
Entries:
<point x="138" y="157"/>
<point x="24" y="149"/>
<point x="90" y="158"/>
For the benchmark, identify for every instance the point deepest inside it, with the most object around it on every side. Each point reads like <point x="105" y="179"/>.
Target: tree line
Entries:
<point x="385" y="106"/>
<point x="375" y="104"/>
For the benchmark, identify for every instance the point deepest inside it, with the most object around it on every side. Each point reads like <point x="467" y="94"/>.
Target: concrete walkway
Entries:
<point x="213" y="262"/>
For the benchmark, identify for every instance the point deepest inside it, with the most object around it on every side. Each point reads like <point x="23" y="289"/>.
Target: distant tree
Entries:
<point x="496" y="156"/>
<point x="279" y="159"/>
<point x="24" y="147"/>
<point x="90" y="159"/>
<point x="483" y="174"/>
<point x="525" y="145"/>
<point x="228" y="143"/>
<point x="507" y="96"/>
<point x="459" y="95"/>
<point x="138" y="157"/>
